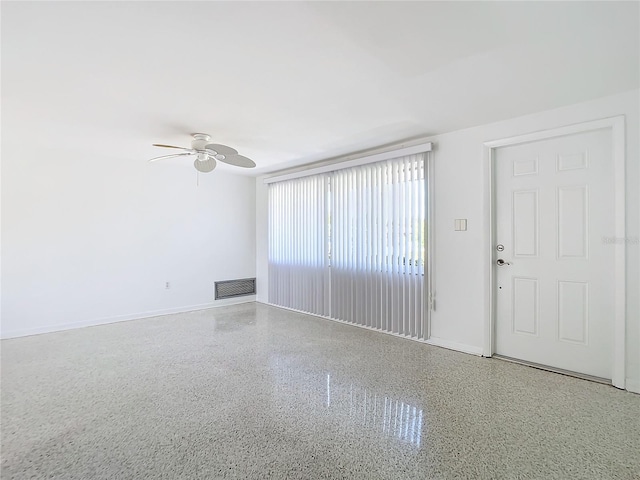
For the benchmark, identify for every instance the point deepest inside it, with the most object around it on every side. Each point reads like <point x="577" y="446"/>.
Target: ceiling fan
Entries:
<point x="207" y="154"/>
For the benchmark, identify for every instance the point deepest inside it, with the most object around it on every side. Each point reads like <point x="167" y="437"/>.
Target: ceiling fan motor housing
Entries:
<point x="200" y="140"/>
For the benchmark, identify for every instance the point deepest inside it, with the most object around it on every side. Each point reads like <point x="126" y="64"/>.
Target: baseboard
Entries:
<point x="632" y="385"/>
<point x="121" y="318"/>
<point x="458" y="347"/>
<point x="438" y="342"/>
<point x="343" y="322"/>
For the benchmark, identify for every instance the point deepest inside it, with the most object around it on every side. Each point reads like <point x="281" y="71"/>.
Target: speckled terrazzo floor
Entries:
<point x="252" y="391"/>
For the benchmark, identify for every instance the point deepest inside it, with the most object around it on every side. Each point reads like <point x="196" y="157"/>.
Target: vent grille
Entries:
<point x="235" y="288"/>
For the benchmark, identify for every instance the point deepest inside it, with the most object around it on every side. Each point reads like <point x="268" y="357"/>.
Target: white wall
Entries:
<point x="460" y="193"/>
<point x="89" y="239"/>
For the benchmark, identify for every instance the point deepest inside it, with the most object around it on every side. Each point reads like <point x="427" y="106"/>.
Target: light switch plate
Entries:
<point x="460" y="224"/>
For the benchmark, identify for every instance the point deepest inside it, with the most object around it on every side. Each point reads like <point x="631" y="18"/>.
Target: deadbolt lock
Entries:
<point x="500" y="248"/>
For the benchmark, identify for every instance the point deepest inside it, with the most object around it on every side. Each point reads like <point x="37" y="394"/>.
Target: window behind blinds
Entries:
<point x="350" y="245"/>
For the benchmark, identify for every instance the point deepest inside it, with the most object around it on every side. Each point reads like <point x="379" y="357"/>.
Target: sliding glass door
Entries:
<point x="351" y="245"/>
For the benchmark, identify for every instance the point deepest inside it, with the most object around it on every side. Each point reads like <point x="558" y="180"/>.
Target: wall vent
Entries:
<point x="235" y="288"/>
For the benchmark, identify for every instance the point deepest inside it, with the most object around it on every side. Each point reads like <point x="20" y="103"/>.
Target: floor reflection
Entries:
<point x="387" y="415"/>
<point x="347" y="401"/>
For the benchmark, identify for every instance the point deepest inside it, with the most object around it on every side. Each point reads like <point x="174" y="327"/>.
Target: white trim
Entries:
<point x="458" y="347"/>
<point x="633" y="385"/>
<point x="619" y="332"/>
<point x="617" y="126"/>
<point x="355" y="162"/>
<point x="437" y="342"/>
<point x="121" y="318"/>
<point x="488" y="346"/>
<point x="557" y="132"/>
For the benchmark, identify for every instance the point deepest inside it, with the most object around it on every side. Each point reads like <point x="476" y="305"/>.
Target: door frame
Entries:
<point x="617" y="127"/>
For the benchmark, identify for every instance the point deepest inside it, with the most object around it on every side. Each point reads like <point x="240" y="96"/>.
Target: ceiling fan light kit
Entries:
<point x="207" y="154"/>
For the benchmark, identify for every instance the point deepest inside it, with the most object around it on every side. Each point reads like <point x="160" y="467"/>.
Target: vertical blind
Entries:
<point x="298" y="230"/>
<point x="350" y="245"/>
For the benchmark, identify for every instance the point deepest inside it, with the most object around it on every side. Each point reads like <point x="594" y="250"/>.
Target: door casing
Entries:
<point x="617" y="127"/>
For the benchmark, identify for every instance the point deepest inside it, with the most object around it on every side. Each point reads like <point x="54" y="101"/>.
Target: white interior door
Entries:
<point x="554" y="202"/>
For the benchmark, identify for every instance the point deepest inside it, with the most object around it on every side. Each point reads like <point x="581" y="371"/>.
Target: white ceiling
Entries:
<point x="292" y="83"/>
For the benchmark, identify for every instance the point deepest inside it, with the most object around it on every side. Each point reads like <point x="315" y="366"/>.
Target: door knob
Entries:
<point x="502" y="263"/>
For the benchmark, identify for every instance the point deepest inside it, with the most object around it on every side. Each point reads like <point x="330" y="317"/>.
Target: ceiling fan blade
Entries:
<point x="164" y="157"/>
<point x="171" y="146"/>
<point x="205" y="166"/>
<point x="221" y="149"/>
<point x="239" y="161"/>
